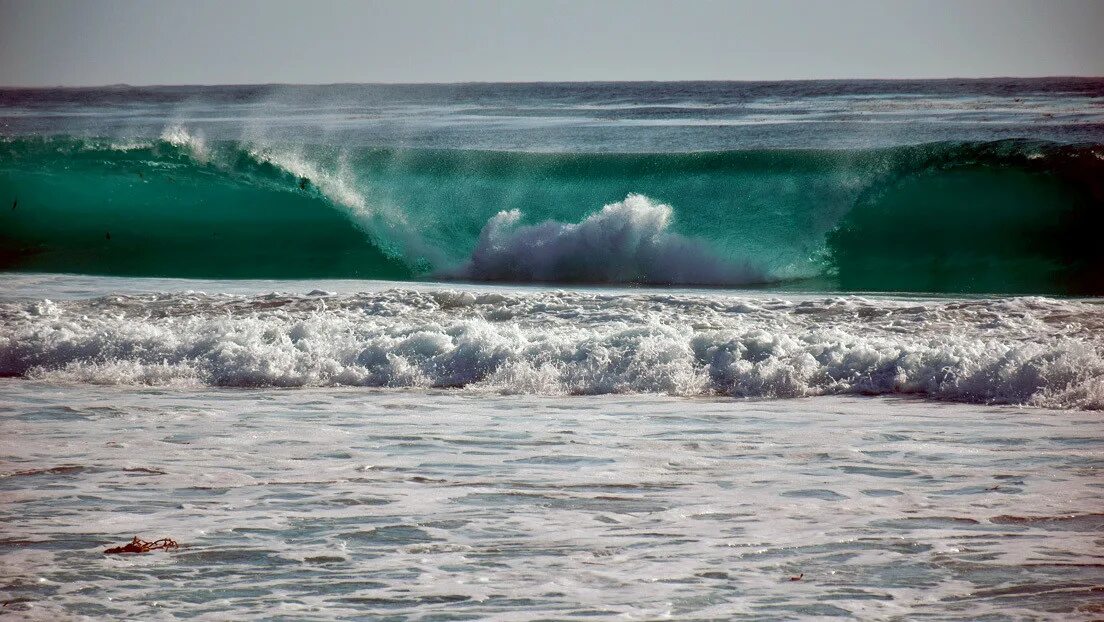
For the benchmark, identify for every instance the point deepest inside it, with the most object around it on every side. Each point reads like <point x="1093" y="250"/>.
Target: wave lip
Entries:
<point x="626" y="242"/>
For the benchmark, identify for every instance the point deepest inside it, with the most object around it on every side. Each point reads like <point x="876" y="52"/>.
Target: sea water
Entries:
<point x="362" y="504"/>
<point x="990" y="186"/>
<point x="482" y="452"/>
<point x="605" y="351"/>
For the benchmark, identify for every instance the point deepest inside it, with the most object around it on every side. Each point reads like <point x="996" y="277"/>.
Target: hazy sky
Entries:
<point x="75" y="42"/>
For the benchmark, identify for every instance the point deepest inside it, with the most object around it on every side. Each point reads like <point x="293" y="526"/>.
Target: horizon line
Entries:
<point x="520" y="82"/>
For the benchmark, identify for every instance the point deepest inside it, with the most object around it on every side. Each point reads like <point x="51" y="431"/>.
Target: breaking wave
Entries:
<point x="1020" y="351"/>
<point x="1008" y="217"/>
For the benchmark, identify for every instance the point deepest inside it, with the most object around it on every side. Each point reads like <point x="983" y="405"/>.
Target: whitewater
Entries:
<point x="702" y="350"/>
<point x="552" y="342"/>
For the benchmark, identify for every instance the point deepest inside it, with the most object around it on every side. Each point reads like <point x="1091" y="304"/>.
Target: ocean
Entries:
<point x="702" y="350"/>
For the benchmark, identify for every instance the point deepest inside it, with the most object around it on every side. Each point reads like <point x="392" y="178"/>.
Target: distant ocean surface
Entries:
<point x="554" y="351"/>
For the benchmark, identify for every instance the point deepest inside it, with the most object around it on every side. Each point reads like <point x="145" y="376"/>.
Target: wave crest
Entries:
<point x="626" y="242"/>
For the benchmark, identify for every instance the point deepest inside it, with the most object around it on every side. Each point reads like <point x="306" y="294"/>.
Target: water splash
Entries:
<point x="626" y="242"/>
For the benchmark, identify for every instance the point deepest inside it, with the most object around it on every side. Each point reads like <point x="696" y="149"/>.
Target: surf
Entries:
<point x="1008" y="216"/>
<point x="540" y="342"/>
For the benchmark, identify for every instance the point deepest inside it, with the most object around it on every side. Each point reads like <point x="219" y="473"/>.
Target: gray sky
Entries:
<point x="80" y="42"/>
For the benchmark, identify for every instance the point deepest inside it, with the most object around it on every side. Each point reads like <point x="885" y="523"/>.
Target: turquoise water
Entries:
<point x="1009" y="217"/>
<point x="988" y="186"/>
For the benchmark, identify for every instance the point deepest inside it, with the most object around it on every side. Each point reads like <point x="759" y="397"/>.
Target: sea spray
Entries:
<point x="626" y="242"/>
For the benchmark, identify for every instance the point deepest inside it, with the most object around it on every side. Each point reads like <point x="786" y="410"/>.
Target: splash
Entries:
<point x="177" y="136"/>
<point x="626" y="242"/>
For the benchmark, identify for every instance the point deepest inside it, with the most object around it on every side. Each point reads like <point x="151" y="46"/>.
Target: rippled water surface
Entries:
<point x="359" y="503"/>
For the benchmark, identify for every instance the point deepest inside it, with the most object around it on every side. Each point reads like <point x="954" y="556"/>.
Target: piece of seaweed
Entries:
<point x="137" y="545"/>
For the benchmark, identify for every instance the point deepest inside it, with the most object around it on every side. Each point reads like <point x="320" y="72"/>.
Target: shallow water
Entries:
<point x="428" y="505"/>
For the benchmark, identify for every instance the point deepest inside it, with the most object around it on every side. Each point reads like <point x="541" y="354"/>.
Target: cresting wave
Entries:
<point x="1008" y="217"/>
<point x="1033" y="351"/>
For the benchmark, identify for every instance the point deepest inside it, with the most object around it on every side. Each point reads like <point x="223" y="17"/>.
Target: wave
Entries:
<point x="1009" y="217"/>
<point x="179" y="206"/>
<point x="1034" y="351"/>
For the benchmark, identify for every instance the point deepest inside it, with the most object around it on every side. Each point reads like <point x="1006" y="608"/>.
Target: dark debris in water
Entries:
<point x="137" y="545"/>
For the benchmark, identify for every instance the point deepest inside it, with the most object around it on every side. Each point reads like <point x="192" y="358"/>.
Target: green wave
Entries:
<point x="157" y="211"/>
<point x="1009" y="217"/>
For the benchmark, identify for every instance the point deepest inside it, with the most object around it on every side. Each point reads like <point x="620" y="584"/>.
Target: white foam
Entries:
<point x="1023" y="351"/>
<point x="626" y="242"/>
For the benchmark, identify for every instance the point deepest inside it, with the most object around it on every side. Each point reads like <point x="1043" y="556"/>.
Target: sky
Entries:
<point x="85" y="42"/>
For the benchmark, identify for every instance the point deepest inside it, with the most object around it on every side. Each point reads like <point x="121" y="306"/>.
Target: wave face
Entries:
<point x="169" y="208"/>
<point x="1034" y="351"/>
<point x="1010" y="217"/>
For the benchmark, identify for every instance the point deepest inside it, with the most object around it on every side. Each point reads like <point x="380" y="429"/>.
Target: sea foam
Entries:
<point x="1021" y="351"/>
<point x="626" y="242"/>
